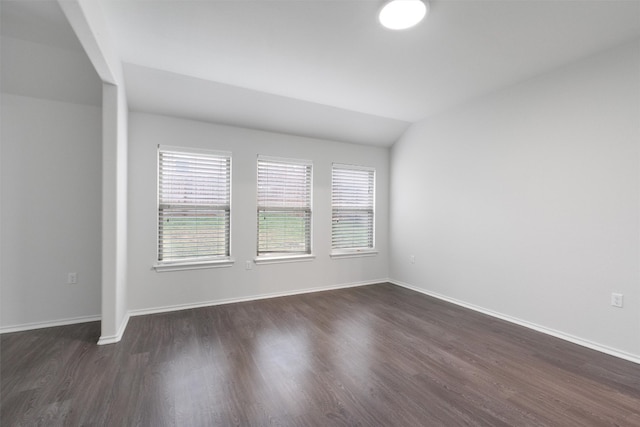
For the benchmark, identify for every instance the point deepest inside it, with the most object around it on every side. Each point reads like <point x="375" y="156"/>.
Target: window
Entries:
<point x="284" y="207"/>
<point x="352" y="205"/>
<point x="194" y="201"/>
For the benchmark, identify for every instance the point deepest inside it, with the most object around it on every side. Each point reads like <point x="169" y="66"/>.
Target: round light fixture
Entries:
<point x="402" y="14"/>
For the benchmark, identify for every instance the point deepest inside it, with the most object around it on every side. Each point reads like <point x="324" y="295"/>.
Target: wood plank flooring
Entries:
<point x="377" y="355"/>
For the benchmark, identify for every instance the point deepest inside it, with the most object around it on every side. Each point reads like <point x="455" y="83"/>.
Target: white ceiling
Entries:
<point x="332" y="71"/>
<point x="41" y="55"/>
<point x="37" y="21"/>
<point x="167" y="93"/>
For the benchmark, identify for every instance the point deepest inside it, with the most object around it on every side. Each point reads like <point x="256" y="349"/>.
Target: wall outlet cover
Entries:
<point x="617" y="300"/>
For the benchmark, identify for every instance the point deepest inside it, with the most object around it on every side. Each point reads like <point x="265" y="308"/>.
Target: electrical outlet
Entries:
<point x="412" y="259"/>
<point x="72" y="278"/>
<point x="617" y="300"/>
<point x="248" y="265"/>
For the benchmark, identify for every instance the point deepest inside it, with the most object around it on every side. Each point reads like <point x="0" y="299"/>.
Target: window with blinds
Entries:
<point x="352" y="205"/>
<point x="194" y="195"/>
<point x="284" y="207"/>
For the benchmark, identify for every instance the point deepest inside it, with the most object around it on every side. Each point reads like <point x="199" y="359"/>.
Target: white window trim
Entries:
<point x="266" y="259"/>
<point x="358" y="252"/>
<point x="195" y="150"/>
<point x="200" y="263"/>
<point x="192" y="265"/>
<point x="276" y="259"/>
<point x="353" y="253"/>
<point x="354" y="167"/>
<point x="286" y="160"/>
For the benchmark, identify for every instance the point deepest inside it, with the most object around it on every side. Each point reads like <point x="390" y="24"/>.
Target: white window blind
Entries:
<point x="352" y="203"/>
<point x="284" y="207"/>
<point x="194" y="194"/>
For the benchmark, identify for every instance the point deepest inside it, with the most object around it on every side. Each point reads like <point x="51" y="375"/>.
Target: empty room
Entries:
<point x="320" y="212"/>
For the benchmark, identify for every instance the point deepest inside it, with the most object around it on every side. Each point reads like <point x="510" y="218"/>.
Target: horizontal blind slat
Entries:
<point x="284" y="207"/>
<point x="194" y="192"/>
<point x="352" y="201"/>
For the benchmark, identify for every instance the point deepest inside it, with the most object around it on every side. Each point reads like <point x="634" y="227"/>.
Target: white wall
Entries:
<point x="148" y="289"/>
<point x="87" y="21"/>
<point x="114" y="213"/>
<point x="50" y="211"/>
<point x="51" y="185"/>
<point x="526" y="202"/>
<point x="42" y="71"/>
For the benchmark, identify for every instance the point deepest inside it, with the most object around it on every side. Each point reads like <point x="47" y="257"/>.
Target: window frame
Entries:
<point x="352" y="252"/>
<point x="279" y="257"/>
<point x="202" y="261"/>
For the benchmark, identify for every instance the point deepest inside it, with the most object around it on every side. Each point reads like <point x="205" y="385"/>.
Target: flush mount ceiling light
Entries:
<point x="402" y="14"/>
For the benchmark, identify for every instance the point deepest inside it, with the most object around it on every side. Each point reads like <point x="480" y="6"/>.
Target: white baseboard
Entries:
<point x="555" y="333"/>
<point x="47" y="324"/>
<point x="140" y="312"/>
<point x="111" y="339"/>
<point x="165" y="309"/>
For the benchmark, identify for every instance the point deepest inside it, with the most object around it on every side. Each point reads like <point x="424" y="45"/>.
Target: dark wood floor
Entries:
<point x="373" y="356"/>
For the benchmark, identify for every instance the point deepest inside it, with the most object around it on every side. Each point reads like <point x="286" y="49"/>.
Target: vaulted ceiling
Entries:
<point x="326" y="68"/>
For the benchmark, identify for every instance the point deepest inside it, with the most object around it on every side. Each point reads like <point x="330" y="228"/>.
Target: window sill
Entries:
<point x="282" y="259"/>
<point x="354" y="254"/>
<point x="192" y="265"/>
